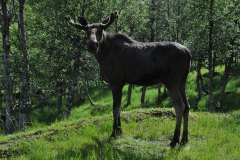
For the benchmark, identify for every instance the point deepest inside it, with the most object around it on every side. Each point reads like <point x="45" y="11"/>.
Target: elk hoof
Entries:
<point x="184" y="141"/>
<point x="116" y="132"/>
<point x="174" y="143"/>
<point x="184" y="138"/>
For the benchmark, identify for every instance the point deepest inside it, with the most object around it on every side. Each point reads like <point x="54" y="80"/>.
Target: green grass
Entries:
<point x="211" y="135"/>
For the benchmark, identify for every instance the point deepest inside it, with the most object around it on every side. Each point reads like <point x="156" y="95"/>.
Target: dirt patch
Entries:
<point x="158" y="113"/>
<point x="140" y="116"/>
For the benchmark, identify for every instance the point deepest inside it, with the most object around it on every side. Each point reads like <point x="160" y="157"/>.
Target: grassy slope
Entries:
<point x="146" y="132"/>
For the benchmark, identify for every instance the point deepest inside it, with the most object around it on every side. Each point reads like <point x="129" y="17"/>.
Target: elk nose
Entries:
<point x="92" y="42"/>
<point x="93" y="39"/>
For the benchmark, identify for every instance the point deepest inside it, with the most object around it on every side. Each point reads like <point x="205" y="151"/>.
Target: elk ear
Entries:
<point x="82" y="21"/>
<point x="107" y="22"/>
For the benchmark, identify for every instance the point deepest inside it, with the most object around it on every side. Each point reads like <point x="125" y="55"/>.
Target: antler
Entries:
<point x="76" y="24"/>
<point x="107" y="22"/>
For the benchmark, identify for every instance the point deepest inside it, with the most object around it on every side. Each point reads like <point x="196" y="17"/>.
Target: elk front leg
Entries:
<point x="117" y="96"/>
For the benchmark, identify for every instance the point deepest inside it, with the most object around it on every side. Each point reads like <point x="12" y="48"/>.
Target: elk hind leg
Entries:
<point x="185" y="113"/>
<point x="179" y="108"/>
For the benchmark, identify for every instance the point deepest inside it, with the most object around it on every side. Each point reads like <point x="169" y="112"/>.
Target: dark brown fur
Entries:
<point x="123" y="60"/>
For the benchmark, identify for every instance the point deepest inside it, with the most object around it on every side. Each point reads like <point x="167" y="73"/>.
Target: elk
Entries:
<point x="123" y="60"/>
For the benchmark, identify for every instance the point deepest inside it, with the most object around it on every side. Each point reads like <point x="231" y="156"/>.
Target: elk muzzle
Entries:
<point x="93" y="46"/>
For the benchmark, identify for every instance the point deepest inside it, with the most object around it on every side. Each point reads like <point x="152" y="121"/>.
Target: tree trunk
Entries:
<point x="42" y="104"/>
<point x="83" y="5"/>
<point x="178" y="21"/>
<point x="225" y="79"/>
<point x="81" y="95"/>
<point x="69" y="103"/>
<point x="143" y="95"/>
<point x="25" y="101"/>
<point x="60" y="92"/>
<point x="88" y="94"/>
<point x="152" y="20"/>
<point x="73" y="83"/>
<point x="159" y="95"/>
<point x="6" y="65"/>
<point x="164" y="91"/>
<point x="211" y="105"/>
<point x="70" y="97"/>
<point x="1" y="106"/>
<point x="59" y="106"/>
<point x="129" y="95"/>
<point x="214" y="64"/>
<point x="198" y="82"/>
<point x="168" y="17"/>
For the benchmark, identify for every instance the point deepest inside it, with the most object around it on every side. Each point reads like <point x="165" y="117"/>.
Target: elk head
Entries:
<point x="95" y="31"/>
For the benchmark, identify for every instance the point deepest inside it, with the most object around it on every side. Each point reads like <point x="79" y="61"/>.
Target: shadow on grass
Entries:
<point x="109" y="149"/>
<point x="100" y="110"/>
<point x="101" y="92"/>
<point x="231" y="102"/>
<point x="46" y="115"/>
